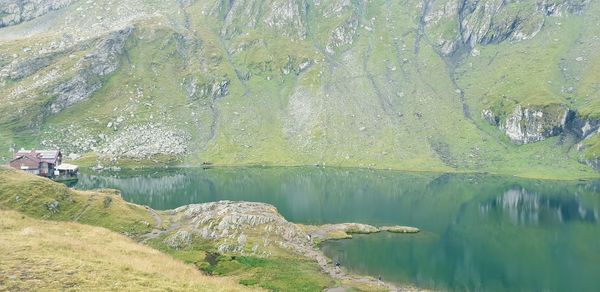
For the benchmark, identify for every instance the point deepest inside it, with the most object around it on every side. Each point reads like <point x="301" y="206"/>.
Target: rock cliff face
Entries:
<point x="483" y="22"/>
<point x="531" y="124"/>
<point x="583" y="127"/>
<point x="92" y="69"/>
<point x="288" y="17"/>
<point x="16" y="11"/>
<point x="588" y="131"/>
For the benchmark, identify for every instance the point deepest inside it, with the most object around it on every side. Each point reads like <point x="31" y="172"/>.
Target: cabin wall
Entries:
<point x="24" y="164"/>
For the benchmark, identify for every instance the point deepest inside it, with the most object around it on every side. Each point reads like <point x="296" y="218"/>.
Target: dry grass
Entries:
<point x="37" y="254"/>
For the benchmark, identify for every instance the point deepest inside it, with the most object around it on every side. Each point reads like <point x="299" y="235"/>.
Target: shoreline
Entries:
<point x="398" y="170"/>
<point x="344" y="231"/>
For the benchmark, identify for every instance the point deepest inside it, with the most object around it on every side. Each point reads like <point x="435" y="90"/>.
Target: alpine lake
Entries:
<point x="478" y="232"/>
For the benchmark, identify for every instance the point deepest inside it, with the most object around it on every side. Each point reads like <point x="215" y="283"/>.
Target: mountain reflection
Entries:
<point x="525" y="207"/>
<point x="142" y="185"/>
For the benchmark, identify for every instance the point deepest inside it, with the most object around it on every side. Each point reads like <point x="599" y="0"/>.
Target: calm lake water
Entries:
<point x="478" y="232"/>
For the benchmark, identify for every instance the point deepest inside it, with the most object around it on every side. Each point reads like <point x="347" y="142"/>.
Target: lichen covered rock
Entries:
<point x="179" y="239"/>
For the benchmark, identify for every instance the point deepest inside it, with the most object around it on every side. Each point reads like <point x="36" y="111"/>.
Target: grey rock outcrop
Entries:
<point x="287" y="17"/>
<point x="19" y="70"/>
<point x="583" y="127"/>
<point x="530" y="124"/>
<point x="295" y="66"/>
<point x="213" y="89"/>
<point x="593" y="163"/>
<point x="179" y="239"/>
<point x="334" y="8"/>
<point x="16" y="11"/>
<point x="343" y="35"/>
<point x="229" y="222"/>
<point x="93" y="68"/>
<point x="482" y="22"/>
<point x="557" y="8"/>
<point x="240" y="226"/>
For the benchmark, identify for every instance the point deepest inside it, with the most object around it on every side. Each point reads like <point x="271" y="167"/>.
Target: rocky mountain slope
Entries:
<point x="467" y="85"/>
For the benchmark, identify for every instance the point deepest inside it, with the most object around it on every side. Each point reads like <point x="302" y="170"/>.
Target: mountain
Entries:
<point x="502" y="86"/>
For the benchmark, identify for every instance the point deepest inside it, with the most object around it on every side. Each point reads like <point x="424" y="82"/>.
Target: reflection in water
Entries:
<point x="144" y="184"/>
<point x="478" y="232"/>
<point x="525" y="207"/>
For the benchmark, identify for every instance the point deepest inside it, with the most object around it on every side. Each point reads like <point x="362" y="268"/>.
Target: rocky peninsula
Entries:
<point x="257" y="229"/>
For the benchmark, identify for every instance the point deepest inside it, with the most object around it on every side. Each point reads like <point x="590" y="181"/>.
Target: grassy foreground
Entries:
<point x="39" y="254"/>
<point x="43" y="245"/>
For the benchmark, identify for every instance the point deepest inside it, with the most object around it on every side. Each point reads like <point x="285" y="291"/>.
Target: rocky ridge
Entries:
<point x="483" y="22"/>
<point x="247" y="228"/>
<point x="285" y="16"/>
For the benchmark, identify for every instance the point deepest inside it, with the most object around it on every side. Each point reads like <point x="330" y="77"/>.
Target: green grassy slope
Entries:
<point x="43" y="199"/>
<point x="554" y="68"/>
<point x="363" y="84"/>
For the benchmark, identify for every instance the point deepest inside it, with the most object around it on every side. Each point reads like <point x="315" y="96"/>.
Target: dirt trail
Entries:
<point x="158" y="229"/>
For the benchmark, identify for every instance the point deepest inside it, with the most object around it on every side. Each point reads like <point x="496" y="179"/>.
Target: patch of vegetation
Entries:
<point x="275" y="273"/>
<point x="43" y="199"/>
<point x="592" y="147"/>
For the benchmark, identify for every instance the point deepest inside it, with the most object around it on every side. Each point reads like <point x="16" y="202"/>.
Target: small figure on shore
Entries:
<point x="337" y="267"/>
<point x="380" y="278"/>
<point x="309" y="237"/>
